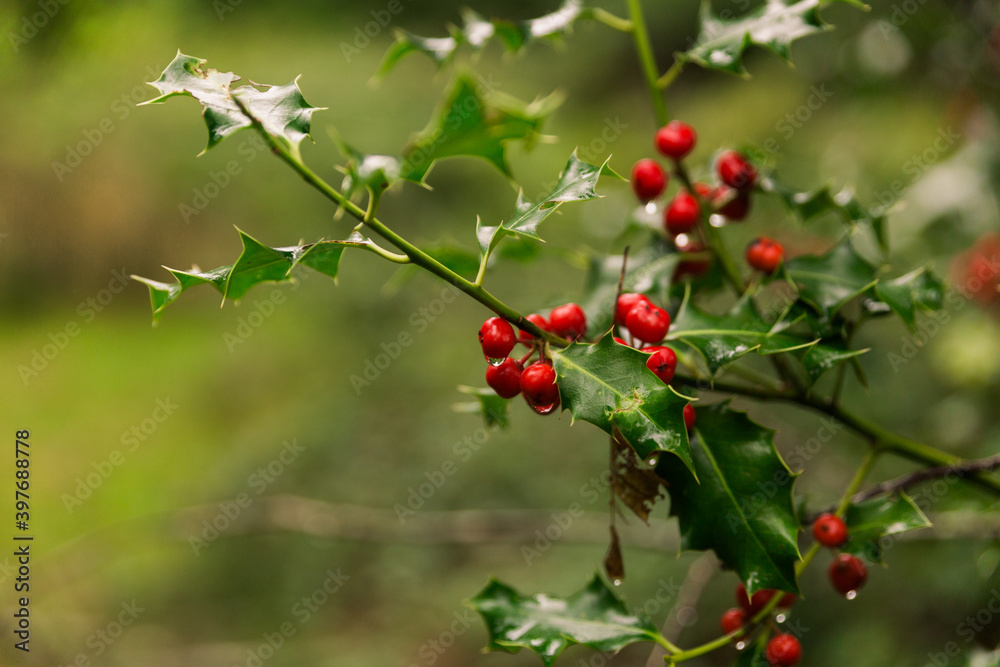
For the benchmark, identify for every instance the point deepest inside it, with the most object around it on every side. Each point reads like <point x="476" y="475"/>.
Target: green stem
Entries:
<point x="610" y="20"/>
<point x="645" y="51"/>
<point x="664" y="81"/>
<point x="415" y="254"/>
<point x="859" y="478"/>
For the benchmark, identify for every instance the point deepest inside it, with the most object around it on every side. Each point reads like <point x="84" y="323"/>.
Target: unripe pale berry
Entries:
<point x="625" y="303"/>
<point x="733" y="620"/>
<point x="682" y="214"/>
<point x="736" y="171"/>
<point x="497" y="338"/>
<point x="648" y="179"/>
<point x="830" y="531"/>
<point x="647" y="322"/>
<point x="568" y="321"/>
<point x="783" y="651"/>
<point x="847" y="573"/>
<point x="765" y="254"/>
<point x="538" y="383"/>
<point x="663" y="363"/>
<point x="505" y="379"/>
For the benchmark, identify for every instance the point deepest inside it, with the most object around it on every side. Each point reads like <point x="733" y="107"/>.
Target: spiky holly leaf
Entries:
<point x="774" y="25"/>
<point x="256" y="264"/>
<point x="827" y="282"/>
<point x="741" y="504"/>
<point x="545" y="624"/>
<point x="374" y="173"/>
<point x="869" y="522"/>
<point x="919" y="289"/>
<point x="722" y="339"/>
<point x="488" y="404"/>
<point x="469" y="124"/>
<point x="477" y="32"/>
<point x="827" y="355"/>
<point x="577" y="182"/>
<point x="809" y="204"/>
<point x="281" y="111"/>
<point x="608" y="385"/>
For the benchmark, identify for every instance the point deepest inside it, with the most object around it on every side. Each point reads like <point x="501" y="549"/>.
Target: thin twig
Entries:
<point x="695" y="582"/>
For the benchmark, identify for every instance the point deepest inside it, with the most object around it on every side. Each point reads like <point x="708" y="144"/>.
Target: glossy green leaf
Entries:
<point x="477" y="32"/>
<point x="469" y="124"/>
<point x="545" y="624"/>
<point x="741" y="505"/>
<point x="919" y="289"/>
<point x="811" y="204"/>
<point x="871" y="521"/>
<point x="374" y="173"/>
<point x="827" y="282"/>
<point x="492" y="407"/>
<point x="721" y="43"/>
<point x="608" y="385"/>
<point x="577" y="182"/>
<point x="256" y="264"/>
<point x="722" y="339"/>
<point x="825" y="356"/>
<point x="281" y="110"/>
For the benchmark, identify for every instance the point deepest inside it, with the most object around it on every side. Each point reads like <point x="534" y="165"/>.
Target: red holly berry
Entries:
<point x="783" y="651"/>
<point x="538" y="382"/>
<point x="756" y="602"/>
<point x="765" y="254"/>
<point x="647" y="322"/>
<point x="974" y="272"/>
<point x="568" y="321"/>
<point x="704" y="190"/>
<point x="847" y="573"/>
<point x="787" y="600"/>
<point x="625" y="303"/>
<point x="733" y="620"/>
<point x="736" y="171"/>
<point x="663" y="363"/>
<point x="690" y="267"/>
<point x="737" y="205"/>
<point x="689" y="416"/>
<point x="526" y="338"/>
<point x="497" y="338"/>
<point x="648" y="179"/>
<point x="830" y="531"/>
<point x="676" y="139"/>
<point x="505" y="379"/>
<point x="682" y="214"/>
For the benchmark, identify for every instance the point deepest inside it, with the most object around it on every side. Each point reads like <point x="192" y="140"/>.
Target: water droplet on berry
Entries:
<point x="780" y="618"/>
<point x="617" y="582"/>
<point x="851" y="595"/>
<point x="495" y="362"/>
<point x="652" y="461"/>
<point x="717" y="221"/>
<point x="740" y="645"/>
<point x="651" y="207"/>
<point x="544" y="409"/>
<point x="682" y="240"/>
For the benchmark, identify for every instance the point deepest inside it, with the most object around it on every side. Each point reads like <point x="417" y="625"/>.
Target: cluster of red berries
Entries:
<point x="537" y="382"/>
<point x="648" y="323"/>
<point x="847" y="573"/>
<point x="731" y="198"/>
<point x="782" y="649"/>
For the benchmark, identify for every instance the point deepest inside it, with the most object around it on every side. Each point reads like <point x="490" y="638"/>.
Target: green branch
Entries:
<point x="649" y="69"/>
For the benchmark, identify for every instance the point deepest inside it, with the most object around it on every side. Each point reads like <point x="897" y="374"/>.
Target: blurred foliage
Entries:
<point x="900" y="103"/>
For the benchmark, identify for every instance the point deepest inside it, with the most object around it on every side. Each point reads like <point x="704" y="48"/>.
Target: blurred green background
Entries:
<point x="141" y="434"/>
